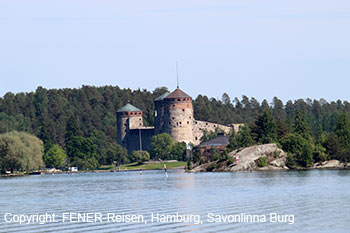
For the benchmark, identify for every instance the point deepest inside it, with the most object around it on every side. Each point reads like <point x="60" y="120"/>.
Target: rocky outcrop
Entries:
<point x="266" y="157"/>
<point x="259" y="157"/>
<point x="248" y="158"/>
<point x="331" y="164"/>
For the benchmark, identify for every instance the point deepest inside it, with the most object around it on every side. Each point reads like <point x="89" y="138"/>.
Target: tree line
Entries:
<point x="82" y="123"/>
<point x="303" y="149"/>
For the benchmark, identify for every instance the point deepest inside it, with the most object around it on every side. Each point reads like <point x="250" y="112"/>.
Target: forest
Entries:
<point x="85" y="117"/>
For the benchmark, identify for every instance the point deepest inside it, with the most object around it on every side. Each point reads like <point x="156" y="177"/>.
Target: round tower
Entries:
<point x="128" y="117"/>
<point x="178" y="116"/>
<point x="159" y="113"/>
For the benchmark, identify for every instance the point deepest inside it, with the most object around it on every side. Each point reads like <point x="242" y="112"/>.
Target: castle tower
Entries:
<point x="159" y="113"/>
<point x="128" y="117"/>
<point x="178" y="116"/>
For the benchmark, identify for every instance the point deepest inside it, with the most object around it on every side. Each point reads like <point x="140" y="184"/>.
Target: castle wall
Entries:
<point x="159" y="116"/>
<point x="122" y="122"/>
<point x="125" y="122"/>
<point x="178" y="120"/>
<point x="199" y="126"/>
<point x="135" y="122"/>
<point x="173" y="115"/>
<point x="134" y="138"/>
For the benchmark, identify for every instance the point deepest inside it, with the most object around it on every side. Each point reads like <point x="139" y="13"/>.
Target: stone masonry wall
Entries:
<point x="178" y="121"/>
<point x="122" y="122"/>
<point x="199" y="126"/>
<point x="135" y="122"/>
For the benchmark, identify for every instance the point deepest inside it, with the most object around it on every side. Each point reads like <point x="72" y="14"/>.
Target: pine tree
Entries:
<point x="342" y="130"/>
<point x="300" y="126"/>
<point x="266" y="130"/>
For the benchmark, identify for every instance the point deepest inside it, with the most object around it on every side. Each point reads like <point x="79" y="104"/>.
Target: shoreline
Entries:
<point x="179" y="168"/>
<point x="85" y="171"/>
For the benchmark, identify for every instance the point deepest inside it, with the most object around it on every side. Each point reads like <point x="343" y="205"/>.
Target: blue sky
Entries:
<point x="260" y="48"/>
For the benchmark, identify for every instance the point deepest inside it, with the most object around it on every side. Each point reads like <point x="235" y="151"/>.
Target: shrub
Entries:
<point x="231" y="160"/>
<point x="262" y="162"/>
<point x="189" y="165"/>
<point x="212" y="166"/>
<point x="139" y="156"/>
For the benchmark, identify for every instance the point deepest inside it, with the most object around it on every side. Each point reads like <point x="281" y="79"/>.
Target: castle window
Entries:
<point x="195" y="122"/>
<point x="190" y="118"/>
<point x="173" y="118"/>
<point x="180" y="122"/>
<point x="173" y="105"/>
<point x="195" y="138"/>
<point x="178" y="100"/>
<point x="140" y="124"/>
<point x="140" y="119"/>
<point x="214" y="125"/>
<point x="206" y="123"/>
<point x="183" y="110"/>
<point x="188" y="122"/>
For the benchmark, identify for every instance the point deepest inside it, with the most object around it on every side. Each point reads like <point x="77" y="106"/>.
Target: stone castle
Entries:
<point x="173" y="115"/>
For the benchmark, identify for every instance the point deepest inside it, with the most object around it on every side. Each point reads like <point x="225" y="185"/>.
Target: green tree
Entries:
<point x="178" y="151"/>
<point x="139" y="156"/>
<point x="107" y="150"/>
<point x="243" y="138"/>
<point x="299" y="149"/>
<point x="342" y="130"/>
<point x="72" y="129"/>
<point x="233" y="140"/>
<point x="161" y="146"/>
<point x="282" y="128"/>
<point x="44" y="136"/>
<point x="333" y="146"/>
<point x="265" y="129"/>
<point x="189" y="165"/>
<point x="20" y="151"/>
<point x="115" y="153"/>
<point x="82" y="153"/>
<point x="319" y="153"/>
<point x="300" y="126"/>
<point x="55" y="157"/>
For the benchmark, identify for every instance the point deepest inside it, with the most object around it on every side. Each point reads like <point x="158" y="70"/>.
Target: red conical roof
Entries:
<point x="177" y="94"/>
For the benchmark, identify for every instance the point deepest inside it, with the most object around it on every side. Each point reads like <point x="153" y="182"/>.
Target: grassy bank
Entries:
<point x="153" y="166"/>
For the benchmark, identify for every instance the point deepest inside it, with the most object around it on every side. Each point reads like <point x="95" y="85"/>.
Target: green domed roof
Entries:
<point x="129" y="108"/>
<point x="162" y="96"/>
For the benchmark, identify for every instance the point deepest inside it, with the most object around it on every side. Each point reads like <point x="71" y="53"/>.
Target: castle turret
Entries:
<point x="178" y="116"/>
<point x="159" y="113"/>
<point x="128" y="117"/>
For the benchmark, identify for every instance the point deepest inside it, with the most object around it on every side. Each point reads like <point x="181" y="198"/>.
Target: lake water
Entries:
<point x="318" y="200"/>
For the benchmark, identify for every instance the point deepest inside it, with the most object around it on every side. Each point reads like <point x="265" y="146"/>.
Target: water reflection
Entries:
<point x="318" y="199"/>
